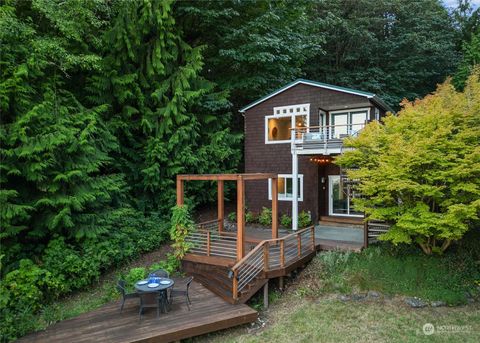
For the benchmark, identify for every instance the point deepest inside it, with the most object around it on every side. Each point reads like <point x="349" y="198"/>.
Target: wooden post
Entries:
<point x="282" y="253"/>
<point x="274" y="208"/>
<point x="240" y="218"/>
<point x="235" y="285"/>
<point x="265" y="256"/>
<point x="312" y="233"/>
<point x="365" y="234"/>
<point x="280" y="283"/>
<point x="180" y="191"/>
<point x="265" y="296"/>
<point x="208" y="243"/>
<point x="220" y="205"/>
<point x="299" y="245"/>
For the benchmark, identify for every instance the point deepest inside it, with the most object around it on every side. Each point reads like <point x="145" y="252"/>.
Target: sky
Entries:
<point x="453" y="3"/>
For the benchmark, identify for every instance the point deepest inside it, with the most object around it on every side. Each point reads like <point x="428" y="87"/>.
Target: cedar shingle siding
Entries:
<point x="276" y="158"/>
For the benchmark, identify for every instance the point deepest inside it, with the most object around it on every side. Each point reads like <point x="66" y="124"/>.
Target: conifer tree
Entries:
<point x="168" y="119"/>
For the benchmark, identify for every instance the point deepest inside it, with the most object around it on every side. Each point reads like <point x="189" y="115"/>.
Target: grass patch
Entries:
<point x="329" y="320"/>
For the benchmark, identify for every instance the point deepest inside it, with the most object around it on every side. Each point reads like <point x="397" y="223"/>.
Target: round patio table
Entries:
<point x="161" y="288"/>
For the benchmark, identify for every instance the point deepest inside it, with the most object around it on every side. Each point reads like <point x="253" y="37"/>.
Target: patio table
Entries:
<point x="161" y="289"/>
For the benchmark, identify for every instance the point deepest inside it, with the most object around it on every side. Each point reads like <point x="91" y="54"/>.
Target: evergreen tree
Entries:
<point x="55" y="177"/>
<point x="168" y="119"/>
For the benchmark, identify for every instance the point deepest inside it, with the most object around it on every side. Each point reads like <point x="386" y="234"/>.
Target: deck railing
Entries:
<point x="207" y="241"/>
<point x="373" y="229"/>
<point x="270" y="255"/>
<point x="323" y="137"/>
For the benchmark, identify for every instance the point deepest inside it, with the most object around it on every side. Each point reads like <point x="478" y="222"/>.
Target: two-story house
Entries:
<point x="295" y="132"/>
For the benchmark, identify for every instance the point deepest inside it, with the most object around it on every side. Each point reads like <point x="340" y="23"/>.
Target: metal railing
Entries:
<point x="270" y="255"/>
<point x="323" y="137"/>
<point x="206" y="240"/>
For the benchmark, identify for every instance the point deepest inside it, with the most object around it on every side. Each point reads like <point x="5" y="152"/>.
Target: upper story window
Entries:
<point x="348" y="122"/>
<point x="278" y="126"/>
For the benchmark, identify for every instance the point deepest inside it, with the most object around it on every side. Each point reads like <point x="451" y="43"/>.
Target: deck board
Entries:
<point x="208" y="313"/>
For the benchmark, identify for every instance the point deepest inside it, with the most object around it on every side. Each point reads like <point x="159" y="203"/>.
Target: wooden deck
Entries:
<point x="208" y="313"/>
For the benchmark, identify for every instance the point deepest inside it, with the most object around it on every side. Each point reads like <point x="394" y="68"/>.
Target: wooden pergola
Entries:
<point x="240" y="179"/>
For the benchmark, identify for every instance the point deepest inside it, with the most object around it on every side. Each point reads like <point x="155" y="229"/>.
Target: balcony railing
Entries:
<point x="323" y="139"/>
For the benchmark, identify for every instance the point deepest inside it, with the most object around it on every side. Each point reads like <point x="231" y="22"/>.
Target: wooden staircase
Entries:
<point x="238" y="282"/>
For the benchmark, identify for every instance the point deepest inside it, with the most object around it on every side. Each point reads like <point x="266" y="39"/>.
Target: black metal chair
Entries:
<point x="160" y="273"/>
<point x="184" y="292"/>
<point x="125" y="295"/>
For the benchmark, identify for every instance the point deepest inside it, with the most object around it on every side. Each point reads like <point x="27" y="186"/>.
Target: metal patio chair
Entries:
<point x="183" y="292"/>
<point x="123" y="292"/>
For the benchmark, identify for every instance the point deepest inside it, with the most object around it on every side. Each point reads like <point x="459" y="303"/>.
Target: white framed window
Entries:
<point x="377" y="114"/>
<point x="285" y="187"/>
<point x="348" y="122"/>
<point x="278" y="126"/>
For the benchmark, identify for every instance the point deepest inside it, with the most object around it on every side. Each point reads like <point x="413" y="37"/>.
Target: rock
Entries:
<point x="415" y="302"/>
<point x="358" y="296"/>
<point x="343" y="297"/>
<point x="373" y="294"/>
<point x="438" y="303"/>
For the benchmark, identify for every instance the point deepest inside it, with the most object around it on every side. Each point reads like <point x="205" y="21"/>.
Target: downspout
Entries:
<point x="294" y="188"/>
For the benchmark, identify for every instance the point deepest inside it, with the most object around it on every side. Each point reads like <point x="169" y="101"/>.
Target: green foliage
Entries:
<point x="397" y="49"/>
<point x="171" y="264"/>
<point x="304" y="219"/>
<point x="471" y="58"/>
<point x="134" y="275"/>
<point x="420" y="170"/>
<point x="265" y="217"/>
<point x="232" y="216"/>
<point x="250" y="217"/>
<point x="403" y="272"/>
<point x="181" y="225"/>
<point x="286" y="221"/>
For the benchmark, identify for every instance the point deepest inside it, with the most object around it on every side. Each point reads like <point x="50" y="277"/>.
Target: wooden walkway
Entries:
<point x="208" y="313"/>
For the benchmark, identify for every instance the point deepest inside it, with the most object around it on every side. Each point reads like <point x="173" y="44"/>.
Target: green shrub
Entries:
<point x="304" y="219"/>
<point x="134" y="275"/>
<point x="265" y="217"/>
<point x="170" y="264"/>
<point x="286" y="221"/>
<point x="392" y="271"/>
<point x="250" y="217"/>
<point x="232" y="216"/>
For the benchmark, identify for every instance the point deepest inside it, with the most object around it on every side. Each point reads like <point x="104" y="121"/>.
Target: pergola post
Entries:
<point x="240" y="218"/>
<point x="220" y="204"/>
<point x="274" y="208"/>
<point x="180" y="191"/>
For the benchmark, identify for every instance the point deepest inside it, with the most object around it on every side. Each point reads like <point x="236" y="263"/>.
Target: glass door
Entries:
<point x="340" y="198"/>
<point x="340" y="119"/>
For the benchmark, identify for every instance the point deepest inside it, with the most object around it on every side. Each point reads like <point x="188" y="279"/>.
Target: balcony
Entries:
<point x="325" y="140"/>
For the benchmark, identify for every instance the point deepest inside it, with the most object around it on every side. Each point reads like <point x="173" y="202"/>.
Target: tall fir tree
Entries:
<point x="168" y="119"/>
<point x="55" y="177"/>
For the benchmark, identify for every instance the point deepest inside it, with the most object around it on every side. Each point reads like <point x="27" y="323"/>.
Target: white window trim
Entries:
<point x="284" y="198"/>
<point x="283" y="115"/>
<point x="349" y="110"/>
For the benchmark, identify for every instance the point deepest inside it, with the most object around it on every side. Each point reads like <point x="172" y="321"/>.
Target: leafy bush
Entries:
<point x="304" y="219"/>
<point x="232" y="216"/>
<point x="286" y="221"/>
<point x="134" y="275"/>
<point x="250" y="217"/>
<point x="171" y="264"/>
<point x="265" y="217"/>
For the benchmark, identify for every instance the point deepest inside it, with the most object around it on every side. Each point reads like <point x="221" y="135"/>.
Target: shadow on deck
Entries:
<point x="208" y="313"/>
